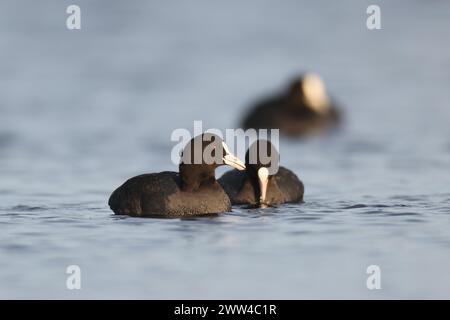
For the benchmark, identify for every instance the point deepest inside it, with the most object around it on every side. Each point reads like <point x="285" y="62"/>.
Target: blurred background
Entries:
<point x="83" y="110"/>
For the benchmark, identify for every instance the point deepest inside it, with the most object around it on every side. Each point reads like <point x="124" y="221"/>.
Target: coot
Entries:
<point x="191" y="191"/>
<point x="264" y="182"/>
<point x="303" y="109"/>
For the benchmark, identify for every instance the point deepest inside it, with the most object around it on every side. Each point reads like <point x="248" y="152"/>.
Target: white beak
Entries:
<point x="263" y="178"/>
<point x="231" y="160"/>
<point x="234" y="161"/>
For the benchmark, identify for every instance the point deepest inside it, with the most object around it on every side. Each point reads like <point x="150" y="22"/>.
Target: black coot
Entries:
<point x="303" y="109"/>
<point x="264" y="182"/>
<point x="191" y="191"/>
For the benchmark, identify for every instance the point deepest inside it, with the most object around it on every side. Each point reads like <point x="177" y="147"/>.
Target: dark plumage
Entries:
<point x="303" y="109"/>
<point x="245" y="187"/>
<point x="192" y="191"/>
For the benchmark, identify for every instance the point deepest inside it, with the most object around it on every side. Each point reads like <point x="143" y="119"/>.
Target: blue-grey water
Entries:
<point x="82" y="111"/>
